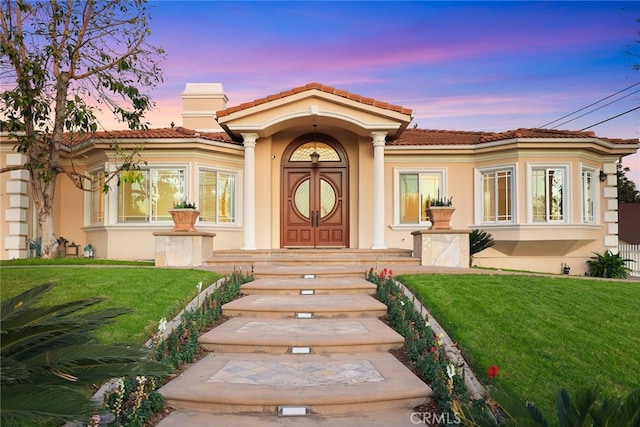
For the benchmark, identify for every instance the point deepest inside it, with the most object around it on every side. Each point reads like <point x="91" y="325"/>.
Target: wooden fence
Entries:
<point x="631" y="252"/>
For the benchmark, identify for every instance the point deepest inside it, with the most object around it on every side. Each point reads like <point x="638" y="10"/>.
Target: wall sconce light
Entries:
<point x="314" y="156"/>
<point x="602" y="176"/>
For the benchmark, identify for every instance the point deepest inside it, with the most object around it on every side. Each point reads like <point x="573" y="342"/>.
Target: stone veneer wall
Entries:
<point x="442" y="248"/>
<point x="183" y="249"/>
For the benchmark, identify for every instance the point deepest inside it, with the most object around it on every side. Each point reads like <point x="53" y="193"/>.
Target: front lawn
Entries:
<point x="543" y="333"/>
<point x="152" y="293"/>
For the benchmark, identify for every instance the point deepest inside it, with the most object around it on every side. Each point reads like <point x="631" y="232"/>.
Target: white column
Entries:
<point x="249" y="191"/>
<point x="378" y="190"/>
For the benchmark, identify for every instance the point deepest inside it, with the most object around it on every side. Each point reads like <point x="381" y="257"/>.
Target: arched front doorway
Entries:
<point x="315" y="194"/>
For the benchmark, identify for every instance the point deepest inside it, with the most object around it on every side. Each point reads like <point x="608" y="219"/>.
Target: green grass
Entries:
<point x="544" y="333"/>
<point x="71" y="261"/>
<point x="152" y="293"/>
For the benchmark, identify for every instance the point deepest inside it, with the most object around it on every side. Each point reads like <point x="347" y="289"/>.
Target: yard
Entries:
<point x="152" y="293"/>
<point x="543" y="333"/>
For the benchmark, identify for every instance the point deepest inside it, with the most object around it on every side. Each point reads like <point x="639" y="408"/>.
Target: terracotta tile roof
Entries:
<point x="159" y="133"/>
<point x="320" y="87"/>
<point x="452" y="137"/>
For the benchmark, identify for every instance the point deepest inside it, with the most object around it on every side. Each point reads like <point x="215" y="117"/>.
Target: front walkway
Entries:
<point x="299" y="346"/>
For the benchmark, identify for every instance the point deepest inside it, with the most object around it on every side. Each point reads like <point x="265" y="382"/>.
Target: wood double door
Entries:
<point x="314" y="205"/>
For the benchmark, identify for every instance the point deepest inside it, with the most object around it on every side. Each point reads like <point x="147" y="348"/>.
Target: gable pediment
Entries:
<point x="315" y="104"/>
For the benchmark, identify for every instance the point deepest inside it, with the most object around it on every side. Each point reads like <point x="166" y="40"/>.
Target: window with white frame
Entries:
<point x="497" y="195"/>
<point x="548" y="198"/>
<point x="147" y="195"/>
<point x="217" y="196"/>
<point x="415" y="189"/>
<point x="588" y="195"/>
<point x="96" y="197"/>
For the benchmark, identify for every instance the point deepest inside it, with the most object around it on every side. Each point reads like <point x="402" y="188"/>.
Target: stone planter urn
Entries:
<point x="184" y="219"/>
<point x="440" y="217"/>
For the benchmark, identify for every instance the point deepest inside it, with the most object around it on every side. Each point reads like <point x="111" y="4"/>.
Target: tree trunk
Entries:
<point x="49" y="240"/>
<point x="44" y="182"/>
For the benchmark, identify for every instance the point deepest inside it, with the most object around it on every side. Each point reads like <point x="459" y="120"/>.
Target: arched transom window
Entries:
<point x="303" y="153"/>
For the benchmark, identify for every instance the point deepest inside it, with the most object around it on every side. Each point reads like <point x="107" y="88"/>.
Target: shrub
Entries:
<point x="479" y="240"/>
<point x="588" y="408"/>
<point x="608" y="265"/>
<point x="51" y="357"/>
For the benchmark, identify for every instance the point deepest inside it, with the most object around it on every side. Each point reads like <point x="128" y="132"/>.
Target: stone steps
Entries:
<point x="340" y="383"/>
<point x="280" y="336"/>
<point x="320" y="355"/>
<point x="309" y="286"/>
<point x="305" y="306"/>
<point x="360" y="258"/>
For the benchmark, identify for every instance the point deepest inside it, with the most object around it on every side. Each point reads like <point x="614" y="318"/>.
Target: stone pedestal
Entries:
<point x="183" y="249"/>
<point x="442" y="248"/>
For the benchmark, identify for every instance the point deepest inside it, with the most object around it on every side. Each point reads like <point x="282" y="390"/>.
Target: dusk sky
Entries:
<point x="459" y="65"/>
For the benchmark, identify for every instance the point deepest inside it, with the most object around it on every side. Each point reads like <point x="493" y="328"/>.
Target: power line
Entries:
<point x="611" y="118"/>
<point x="590" y="105"/>
<point x="595" y="109"/>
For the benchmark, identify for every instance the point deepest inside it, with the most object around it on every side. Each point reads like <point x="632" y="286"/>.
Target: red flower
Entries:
<point x="390" y="273"/>
<point x="493" y="371"/>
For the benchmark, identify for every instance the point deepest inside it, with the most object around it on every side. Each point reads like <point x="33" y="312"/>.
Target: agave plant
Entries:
<point x="50" y="358"/>
<point x="587" y="409"/>
<point x="609" y="265"/>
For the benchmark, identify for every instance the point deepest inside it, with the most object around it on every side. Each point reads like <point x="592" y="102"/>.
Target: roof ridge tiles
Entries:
<point x="320" y="87"/>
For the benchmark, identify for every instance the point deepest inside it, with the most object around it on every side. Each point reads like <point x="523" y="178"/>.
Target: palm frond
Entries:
<point x="49" y="355"/>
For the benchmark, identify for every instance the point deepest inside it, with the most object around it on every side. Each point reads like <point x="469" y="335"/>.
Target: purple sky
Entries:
<point x="459" y="65"/>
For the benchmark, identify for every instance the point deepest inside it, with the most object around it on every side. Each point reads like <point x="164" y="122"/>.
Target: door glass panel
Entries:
<point x="327" y="198"/>
<point x="326" y="152"/>
<point x="301" y="198"/>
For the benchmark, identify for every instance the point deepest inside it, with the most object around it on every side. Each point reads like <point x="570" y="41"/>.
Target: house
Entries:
<point x="317" y="166"/>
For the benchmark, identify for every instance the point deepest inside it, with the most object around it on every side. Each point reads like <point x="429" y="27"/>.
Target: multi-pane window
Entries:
<point x="96" y="197"/>
<point x="547" y="194"/>
<point x="147" y="195"/>
<point x="217" y="190"/>
<point x="588" y="196"/>
<point x="415" y="191"/>
<point x="497" y="195"/>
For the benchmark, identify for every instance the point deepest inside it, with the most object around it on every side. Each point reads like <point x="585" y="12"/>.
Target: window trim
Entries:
<point x="238" y="193"/>
<point x="396" y="192"/>
<point x="596" y="196"/>
<point x="566" y="197"/>
<point x="479" y="199"/>
<point x="89" y="196"/>
<point x="155" y="166"/>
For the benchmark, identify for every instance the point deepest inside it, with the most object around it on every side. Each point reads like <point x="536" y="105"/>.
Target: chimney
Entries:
<point x="200" y="101"/>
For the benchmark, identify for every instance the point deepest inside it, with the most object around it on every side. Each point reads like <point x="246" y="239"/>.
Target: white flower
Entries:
<point x="199" y="286"/>
<point x="451" y="370"/>
<point x="141" y="379"/>
<point x="162" y="326"/>
<point x="402" y="302"/>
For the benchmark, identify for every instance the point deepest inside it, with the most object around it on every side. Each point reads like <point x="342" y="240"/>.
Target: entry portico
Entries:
<point x="323" y="202"/>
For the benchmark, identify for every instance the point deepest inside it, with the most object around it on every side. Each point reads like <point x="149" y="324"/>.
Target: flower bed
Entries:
<point x="135" y="401"/>
<point x="426" y="354"/>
